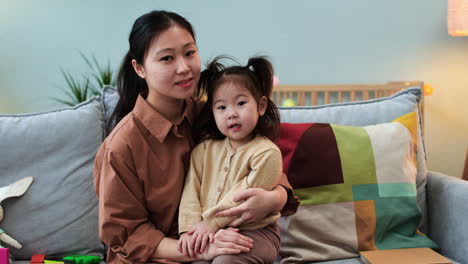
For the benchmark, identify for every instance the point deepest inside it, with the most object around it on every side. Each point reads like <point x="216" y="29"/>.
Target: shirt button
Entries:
<point x="219" y="189"/>
<point x="225" y="169"/>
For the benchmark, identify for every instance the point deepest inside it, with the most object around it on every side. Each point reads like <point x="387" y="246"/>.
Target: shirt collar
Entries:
<point x="157" y="124"/>
<point x="227" y="144"/>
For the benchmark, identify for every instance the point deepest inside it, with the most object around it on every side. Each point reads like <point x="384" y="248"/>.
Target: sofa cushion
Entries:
<point x="109" y="98"/>
<point x="371" y="112"/>
<point x="58" y="215"/>
<point x="357" y="187"/>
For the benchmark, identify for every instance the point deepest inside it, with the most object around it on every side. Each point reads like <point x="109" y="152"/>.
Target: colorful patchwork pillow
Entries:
<point x="357" y="187"/>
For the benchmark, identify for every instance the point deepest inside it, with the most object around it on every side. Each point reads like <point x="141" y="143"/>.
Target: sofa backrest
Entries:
<point x="58" y="214"/>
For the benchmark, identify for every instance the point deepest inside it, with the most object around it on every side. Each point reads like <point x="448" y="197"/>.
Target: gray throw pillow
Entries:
<point x="58" y="214"/>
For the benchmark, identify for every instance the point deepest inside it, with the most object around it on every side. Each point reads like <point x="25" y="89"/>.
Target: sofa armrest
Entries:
<point x="448" y="214"/>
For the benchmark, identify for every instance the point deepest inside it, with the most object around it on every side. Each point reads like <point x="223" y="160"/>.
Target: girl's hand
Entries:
<point x="185" y="246"/>
<point x="202" y="234"/>
<point x="227" y="242"/>
<point x="257" y="205"/>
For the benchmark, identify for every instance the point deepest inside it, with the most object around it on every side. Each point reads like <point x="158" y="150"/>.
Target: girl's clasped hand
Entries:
<point x="196" y="241"/>
<point x="225" y="239"/>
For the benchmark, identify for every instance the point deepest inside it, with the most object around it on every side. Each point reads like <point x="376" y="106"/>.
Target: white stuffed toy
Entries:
<point x="16" y="189"/>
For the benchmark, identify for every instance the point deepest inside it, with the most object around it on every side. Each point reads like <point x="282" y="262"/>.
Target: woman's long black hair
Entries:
<point x="256" y="76"/>
<point x="145" y="29"/>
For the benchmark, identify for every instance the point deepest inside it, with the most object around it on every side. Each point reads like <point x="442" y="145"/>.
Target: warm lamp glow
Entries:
<point x="428" y="90"/>
<point x="458" y="17"/>
<point x="276" y="80"/>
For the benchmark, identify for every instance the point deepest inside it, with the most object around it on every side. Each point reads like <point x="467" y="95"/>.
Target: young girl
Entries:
<point x="140" y="167"/>
<point x="236" y="130"/>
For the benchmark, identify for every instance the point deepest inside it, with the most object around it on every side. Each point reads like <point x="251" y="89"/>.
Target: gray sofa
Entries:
<point x="58" y="215"/>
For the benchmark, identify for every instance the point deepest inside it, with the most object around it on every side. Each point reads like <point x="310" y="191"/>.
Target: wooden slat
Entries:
<point x="300" y="98"/>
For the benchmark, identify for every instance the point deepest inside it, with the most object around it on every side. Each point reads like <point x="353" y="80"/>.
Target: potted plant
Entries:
<point x="81" y="88"/>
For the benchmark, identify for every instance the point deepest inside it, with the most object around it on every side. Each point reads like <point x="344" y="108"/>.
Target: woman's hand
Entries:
<point x="257" y="205"/>
<point x="227" y="242"/>
<point x="230" y="237"/>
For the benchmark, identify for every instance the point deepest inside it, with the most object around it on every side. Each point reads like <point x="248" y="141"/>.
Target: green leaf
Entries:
<point x="90" y="84"/>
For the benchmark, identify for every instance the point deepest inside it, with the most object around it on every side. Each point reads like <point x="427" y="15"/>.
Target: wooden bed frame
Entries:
<point x="315" y="94"/>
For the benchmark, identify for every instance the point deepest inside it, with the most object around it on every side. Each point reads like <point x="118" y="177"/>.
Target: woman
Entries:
<point x="140" y="167"/>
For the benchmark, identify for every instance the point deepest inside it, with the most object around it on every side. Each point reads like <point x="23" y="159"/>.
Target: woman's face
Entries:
<point x="171" y="67"/>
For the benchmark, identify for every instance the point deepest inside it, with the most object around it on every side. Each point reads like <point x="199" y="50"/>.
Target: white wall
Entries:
<point x="319" y="42"/>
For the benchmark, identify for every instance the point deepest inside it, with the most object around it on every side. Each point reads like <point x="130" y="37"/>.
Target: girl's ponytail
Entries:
<point x="204" y="126"/>
<point x="264" y="72"/>
<point x="208" y="77"/>
<point x="269" y="124"/>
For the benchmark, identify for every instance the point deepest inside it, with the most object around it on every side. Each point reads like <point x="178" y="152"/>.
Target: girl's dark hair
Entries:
<point x="256" y="76"/>
<point x="145" y="29"/>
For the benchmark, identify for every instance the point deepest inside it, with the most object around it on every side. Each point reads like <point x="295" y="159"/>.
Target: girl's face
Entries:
<point x="236" y="112"/>
<point x="172" y="65"/>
